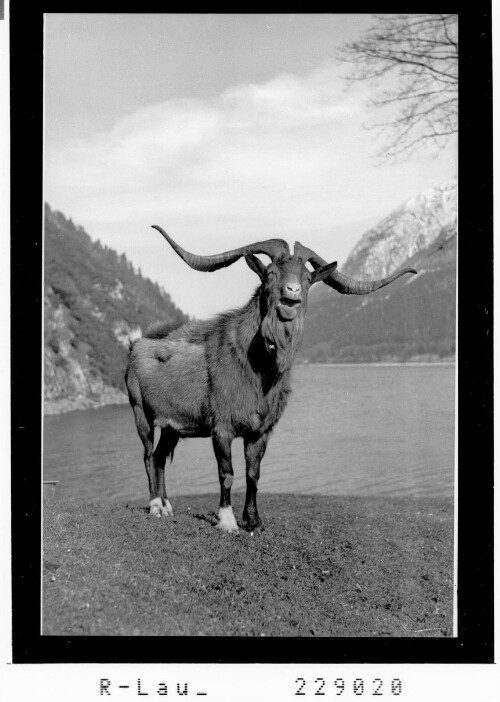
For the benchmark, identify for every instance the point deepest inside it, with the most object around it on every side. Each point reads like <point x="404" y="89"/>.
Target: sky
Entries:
<point x="222" y="129"/>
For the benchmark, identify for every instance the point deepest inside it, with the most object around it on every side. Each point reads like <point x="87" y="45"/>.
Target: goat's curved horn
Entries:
<point x="272" y="248"/>
<point x="342" y="283"/>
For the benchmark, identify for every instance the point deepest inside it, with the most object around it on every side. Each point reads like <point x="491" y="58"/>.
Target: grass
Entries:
<point x="324" y="566"/>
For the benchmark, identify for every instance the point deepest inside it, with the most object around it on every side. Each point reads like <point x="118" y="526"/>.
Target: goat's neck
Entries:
<point x="255" y="333"/>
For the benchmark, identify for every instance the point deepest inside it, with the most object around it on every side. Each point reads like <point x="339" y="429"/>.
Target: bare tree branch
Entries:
<point x="419" y="55"/>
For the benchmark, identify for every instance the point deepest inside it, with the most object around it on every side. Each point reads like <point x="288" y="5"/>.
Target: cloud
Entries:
<point x="151" y="140"/>
<point x="287" y="101"/>
<point x="257" y="146"/>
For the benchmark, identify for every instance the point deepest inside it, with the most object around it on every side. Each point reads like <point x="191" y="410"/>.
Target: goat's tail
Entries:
<point x="171" y="439"/>
<point x="157" y="437"/>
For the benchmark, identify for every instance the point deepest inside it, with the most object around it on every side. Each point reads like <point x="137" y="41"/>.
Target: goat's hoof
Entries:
<point x="158" y="509"/>
<point x="167" y="510"/>
<point x="227" y="522"/>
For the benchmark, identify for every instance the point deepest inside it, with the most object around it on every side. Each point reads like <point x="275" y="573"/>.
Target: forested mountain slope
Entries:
<point x="411" y="319"/>
<point x="94" y="303"/>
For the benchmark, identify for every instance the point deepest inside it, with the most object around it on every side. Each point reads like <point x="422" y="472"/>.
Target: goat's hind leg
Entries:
<point x="146" y="435"/>
<point x="165" y="442"/>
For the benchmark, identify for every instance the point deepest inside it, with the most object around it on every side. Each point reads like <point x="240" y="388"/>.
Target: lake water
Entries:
<point x="347" y="430"/>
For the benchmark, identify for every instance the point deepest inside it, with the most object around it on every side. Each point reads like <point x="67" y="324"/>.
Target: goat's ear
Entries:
<point x="256" y="265"/>
<point x="322" y="272"/>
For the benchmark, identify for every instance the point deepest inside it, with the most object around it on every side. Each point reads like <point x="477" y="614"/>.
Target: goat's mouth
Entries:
<point x="287" y="307"/>
<point x="290" y="301"/>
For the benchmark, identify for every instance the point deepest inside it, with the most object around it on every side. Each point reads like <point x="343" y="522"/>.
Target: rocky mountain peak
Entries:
<point x="410" y="228"/>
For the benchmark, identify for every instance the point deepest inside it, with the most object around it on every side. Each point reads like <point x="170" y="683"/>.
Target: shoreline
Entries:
<point x="53" y="408"/>
<point x="58" y="406"/>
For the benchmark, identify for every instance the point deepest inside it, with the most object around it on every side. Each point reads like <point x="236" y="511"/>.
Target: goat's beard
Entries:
<point x="286" y="337"/>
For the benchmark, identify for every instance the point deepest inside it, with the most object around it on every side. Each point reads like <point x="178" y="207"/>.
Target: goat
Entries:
<point x="229" y="376"/>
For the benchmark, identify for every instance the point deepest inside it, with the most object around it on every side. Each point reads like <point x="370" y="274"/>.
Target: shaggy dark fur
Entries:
<point x="230" y="376"/>
<point x="227" y="377"/>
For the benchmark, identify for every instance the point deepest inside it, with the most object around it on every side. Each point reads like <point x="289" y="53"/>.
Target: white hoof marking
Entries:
<point x="167" y="510"/>
<point x="157" y="509"/>
<point x="227" y="522"/>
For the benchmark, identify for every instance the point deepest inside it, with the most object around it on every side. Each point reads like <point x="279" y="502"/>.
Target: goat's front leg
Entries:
<point x="222" y="448"/>
<point x="254" y="453"/>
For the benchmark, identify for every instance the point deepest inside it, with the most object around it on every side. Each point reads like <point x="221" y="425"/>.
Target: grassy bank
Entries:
<point x="324" y="566"/>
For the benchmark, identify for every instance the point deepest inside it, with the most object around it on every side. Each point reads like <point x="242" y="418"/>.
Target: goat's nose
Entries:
<point x="292" y="289"/>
